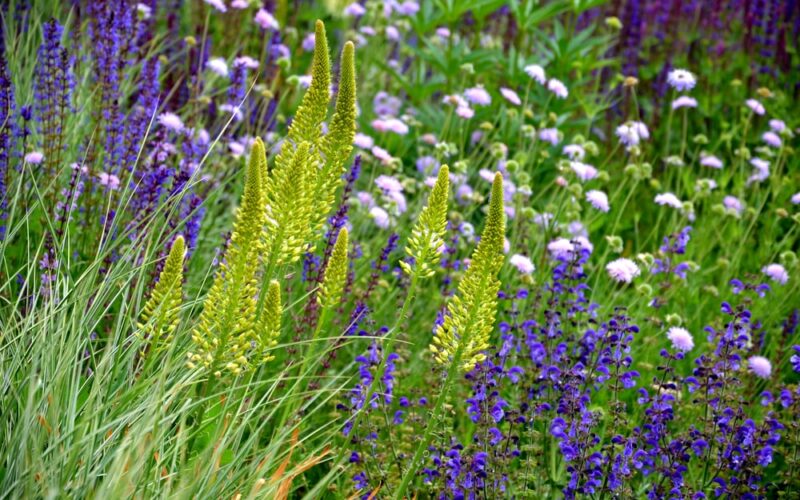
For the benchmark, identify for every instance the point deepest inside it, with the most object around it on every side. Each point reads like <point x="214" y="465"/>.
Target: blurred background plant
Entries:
<point x="650" y="181"/>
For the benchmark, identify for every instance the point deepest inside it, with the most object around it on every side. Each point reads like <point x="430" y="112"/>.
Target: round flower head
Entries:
<point x="522" y="263"/>
<point x="574" y="151"/>
<point x="355" y="9"/>
<point x="536" y="72"/>
<point x="380" y="216"/>
<point x="171" y="121"/>
<point x="558" y="88"/>
<point x="478" y="95"/>
<point x="627" y="134"/>
<point x="598" y="200"/>
<point x="755" y="106"/>
<point x="684" y="101"/>
<point x="218" y="65"/>
<point x="510" y="96"/>
<point x="710" y="161"/>
<point x="681" y="339"/>
<point x="388" y="183"/>
<point x="363" y="141"/>
<point x="465" y="112"/>
<point x="623" y="270"/>
<point x="34" y="158"/>
<point x="776" y="272"/>
<point x="772" y="139"/>
<point x="560" y="247"/>
<point x="796" y="199"/>
<point x="266" y="21"/>
<point x="381" y="154"/>
<point x="733" y="203"/>
<point x="549" y="135"/>
<point x="668" y="199"/>
<point x="583" y="171"/>
<point x="777" y="125"/>
<point x="217" y="4"/>
<point x="681" y="80"/>
<point x="760" y="366"/>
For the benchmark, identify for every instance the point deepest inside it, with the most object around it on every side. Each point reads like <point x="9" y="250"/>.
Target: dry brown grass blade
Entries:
<point x="285" y="485"/>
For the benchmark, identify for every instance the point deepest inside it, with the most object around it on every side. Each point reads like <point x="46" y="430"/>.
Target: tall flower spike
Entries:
<point x="160" y="315"/>
<point x="289" y="207"/>
<point x="335" y="273"/>
<point x="307" y="123"/>
<point x="337" y="145"/>
<point x="428" y="233"/>
<point x="226" y="337"/>
<point x="269" y="327"/>
<point x="464" y="334"/>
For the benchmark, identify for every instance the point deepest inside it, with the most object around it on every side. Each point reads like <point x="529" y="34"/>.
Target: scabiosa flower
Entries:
<point x="772" y="139"/>
<point x="388" y="183"/>
<point x="218" y="65"/>
<point x="478" y="96"/>
<point x="111" y="181"/>
<point x="681" y="80"/>
<point x="623" y="270"/>
<point x="776" y="272"/>
<point x="681" y="339"/>
<point x="583" y="171"/>
<point x="628" y="134"/>
<point x="536" y="72"/>
<point x="710" y="161"/>
<point x="522" y="263"/>
<point x="34" y="158"/>
<point x="668" y="199"/>
<point x="171" y="121"/>
<point x="777" y="125"/>
<point x="363" y="141"/>
<point x="390" y="125"/>
<point x="381" y="154"/>
<point x="560" y="248"/>
<point x="510" y="96"/>
<point x="796" y="198"/>
<point x="380" y="217"/>
<point x="684" y="101"/>
<point x="558" y="88"/>
<point x="355" y="9"/>
<point x="550" y="135"/>
<point x="734" y="204"/>
<point x="762" y="170"/>
<point x="598" y="200"/>
<point x="760" y="366"/>
<point x="755" y="106"/>
<point x="574" y="151"/>
<point x="217" y="4"/>
<point x="265" y="20"/>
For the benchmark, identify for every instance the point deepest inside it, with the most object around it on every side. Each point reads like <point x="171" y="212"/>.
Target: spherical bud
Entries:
<point x="614" y="243"/>
<point x="512" y="166"/>
<point x="468" y="68"/>
<point x="614" y="23"/>
<point x="700" y="139"/>
<point x="764" y="92"/>
<point x="527" y="213"/>
<point x="591" y="148"/>
<point x="190" y="41"/>
<point x="486" y="126"/>
<point x="674" y="319"/>
<point x="284" y="63"/>
<point x="630" y="81"/>
<point x="789" y="258"/>
<point x="644" y="290"/>
<point x="782" y="213"/>
<point x="723" y="263"/>
<point x="522" y="177"/>
<point x="646" y="259"/>
<point x="528" y="130"/>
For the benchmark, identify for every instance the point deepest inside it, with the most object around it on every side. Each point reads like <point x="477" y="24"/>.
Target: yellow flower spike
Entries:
<point x="307" y="123"/>
<point x="471" y="313"/>
<point x="160" y="315"/>
<point x="269" y="327"/>
<point x="336" y="273"/>
<point x="225" y="332"/>
<point x="428" y="233"/>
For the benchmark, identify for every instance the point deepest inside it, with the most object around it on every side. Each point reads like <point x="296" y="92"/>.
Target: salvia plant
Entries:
<point x="492" y="249"/>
